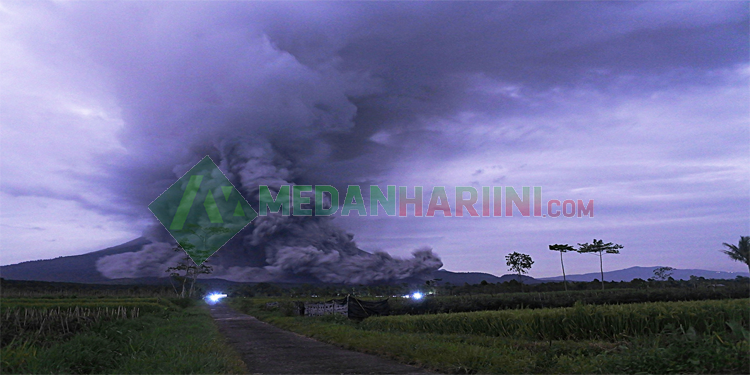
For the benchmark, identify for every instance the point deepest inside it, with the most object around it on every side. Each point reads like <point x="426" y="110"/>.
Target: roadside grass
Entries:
<point x="172" y="341"/>
<point x="671" y="350"/>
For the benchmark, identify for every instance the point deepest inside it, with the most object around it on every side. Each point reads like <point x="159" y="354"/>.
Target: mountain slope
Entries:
<point x="73" y="269"/>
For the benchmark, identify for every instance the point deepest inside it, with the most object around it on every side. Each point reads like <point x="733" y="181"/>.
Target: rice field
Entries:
<point x="39" y="321"/>
<point x="145" y="304"/>
<point x="582" y="322"/>
<point x="540" y="300"/>
<point x="117" y="335"/>
<point x="706" y="337"/>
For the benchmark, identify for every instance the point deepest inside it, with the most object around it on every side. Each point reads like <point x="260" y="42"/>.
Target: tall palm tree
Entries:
<point x="562" y="249"/>
<point x="739" y="252"/>
<point x="599" y="248"/>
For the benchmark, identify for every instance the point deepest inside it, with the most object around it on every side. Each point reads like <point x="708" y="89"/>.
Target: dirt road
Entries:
<point x="270" y="350"/>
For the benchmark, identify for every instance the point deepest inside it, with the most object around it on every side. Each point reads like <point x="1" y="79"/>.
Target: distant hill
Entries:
<point x="645" y="273"/>
<point x="459" y="278"/>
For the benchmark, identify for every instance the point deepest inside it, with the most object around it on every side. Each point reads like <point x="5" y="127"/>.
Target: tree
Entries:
<point x="432" y="285"/>
<point x="562" y="249"/>
<point x="186" y="271"/>
<point x="599" y="248"/>
<point x="739" y="252"/>
<point x="663" y="273"/>
<point x="519" y="263"/>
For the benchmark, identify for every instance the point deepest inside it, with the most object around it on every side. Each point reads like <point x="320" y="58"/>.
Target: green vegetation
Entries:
<point x="739" y="252"/>
<point x="141" y="304"/>
<point x="671" y="337"/>
<point x="609" y="322"/>
<point x="45" y="289"/>
<point x="111" y="335"/>
<point x="482" y="299"/>
<point x="678" y="290"/>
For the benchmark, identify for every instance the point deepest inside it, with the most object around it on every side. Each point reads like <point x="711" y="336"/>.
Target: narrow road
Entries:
<point x="270" y="350"/>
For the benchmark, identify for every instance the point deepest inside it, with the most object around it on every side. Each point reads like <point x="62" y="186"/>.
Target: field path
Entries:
<point x="271" y="350"/>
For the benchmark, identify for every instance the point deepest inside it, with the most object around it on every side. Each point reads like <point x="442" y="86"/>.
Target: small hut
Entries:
<point x="349" y="306"/>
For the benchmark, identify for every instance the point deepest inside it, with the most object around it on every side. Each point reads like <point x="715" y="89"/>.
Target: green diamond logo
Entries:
<point x="202" y="210"/>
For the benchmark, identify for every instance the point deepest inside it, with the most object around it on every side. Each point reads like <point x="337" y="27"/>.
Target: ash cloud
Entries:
<point x="275" y="247"/>
<point x="260" y="114"/>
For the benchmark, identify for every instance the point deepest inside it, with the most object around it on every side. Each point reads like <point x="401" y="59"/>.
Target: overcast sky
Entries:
<point x="641" y="107"/>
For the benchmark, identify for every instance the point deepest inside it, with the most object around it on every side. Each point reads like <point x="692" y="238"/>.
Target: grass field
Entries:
<point x="664" y="337"/>
<point x="537" y="300"/>
<point x="111" y="335"/>
<point x="443" y="303"/>
<point x="582" y="322"/>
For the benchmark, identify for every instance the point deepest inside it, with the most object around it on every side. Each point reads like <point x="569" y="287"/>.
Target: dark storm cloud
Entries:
<point x="434" y="59"/>
<point x="185" y="73"/>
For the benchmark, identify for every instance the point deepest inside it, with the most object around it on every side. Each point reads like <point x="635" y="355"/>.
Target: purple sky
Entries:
<point x="642" y="107"/>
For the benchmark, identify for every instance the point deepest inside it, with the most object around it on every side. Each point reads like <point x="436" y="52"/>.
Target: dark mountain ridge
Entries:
<point x="82" y="269"/>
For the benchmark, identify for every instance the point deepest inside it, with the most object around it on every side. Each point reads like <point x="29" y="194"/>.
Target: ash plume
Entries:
<point x="264" y="116"/>
<point x="275" y="247"/>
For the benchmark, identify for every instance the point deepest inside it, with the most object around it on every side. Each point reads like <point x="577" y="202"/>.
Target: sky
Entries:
<point x="642" y="107"/>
